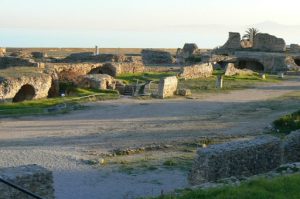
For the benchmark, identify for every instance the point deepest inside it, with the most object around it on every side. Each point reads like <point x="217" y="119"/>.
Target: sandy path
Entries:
<point x="55" y="142"/>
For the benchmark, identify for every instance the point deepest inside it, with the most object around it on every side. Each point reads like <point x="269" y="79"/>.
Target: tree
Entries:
<point x="250" y="34"/>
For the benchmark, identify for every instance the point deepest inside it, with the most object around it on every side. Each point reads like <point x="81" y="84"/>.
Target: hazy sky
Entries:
<point x="141" y="23"/>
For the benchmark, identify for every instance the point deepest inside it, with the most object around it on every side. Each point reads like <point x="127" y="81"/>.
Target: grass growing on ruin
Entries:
<point x="279" y="187"/>
<point x="230" y="83"/>
<point x="55" y="105"/>
<point x="287" y="123"/>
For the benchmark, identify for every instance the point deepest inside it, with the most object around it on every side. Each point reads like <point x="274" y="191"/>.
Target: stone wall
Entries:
<point x="242" y="158"/>
<point x="272" y="62"/>
<point x="6" y="62"/>
<point x="167" y="87"/>
<point x="233" y="42"/>
<point x="10" y="86"/>
<point x="31" y="177"/>
<point x="154" y="57"/>
<point x="196" y="71"/>
<point x="291" y="147"/>
<point x="295" y="48"/>
<point x="268" y="43"/>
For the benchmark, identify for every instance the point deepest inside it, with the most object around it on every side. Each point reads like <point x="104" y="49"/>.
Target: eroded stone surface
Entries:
<point x="167" y="87"/>
<point x="196" y="71"/>
<point x="268" y="43"/>
<point x="243" y="158"/>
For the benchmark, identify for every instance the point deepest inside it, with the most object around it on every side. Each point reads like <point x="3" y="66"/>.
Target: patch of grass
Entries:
<point x="277" y="188"/>
<point x="287" y="123"/>
<point x="41" y="106"/>
<point x="143" y="77"/>
<point x="229" y="83"/>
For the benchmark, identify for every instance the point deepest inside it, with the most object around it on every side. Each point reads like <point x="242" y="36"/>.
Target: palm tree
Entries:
<point x="250" y="34"/>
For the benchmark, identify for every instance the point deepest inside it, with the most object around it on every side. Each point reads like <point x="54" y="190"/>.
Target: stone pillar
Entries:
<point x="219" y="82"/>
<point x="96" y="50"/>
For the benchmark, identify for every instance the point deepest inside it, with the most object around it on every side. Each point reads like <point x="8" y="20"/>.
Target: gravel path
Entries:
<point x="57" y="142"/>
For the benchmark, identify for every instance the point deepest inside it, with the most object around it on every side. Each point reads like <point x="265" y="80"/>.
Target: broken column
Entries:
<point x="167" y="87"/>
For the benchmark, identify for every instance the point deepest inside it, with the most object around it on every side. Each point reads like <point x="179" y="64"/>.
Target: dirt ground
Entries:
<point x="62" y="143"/>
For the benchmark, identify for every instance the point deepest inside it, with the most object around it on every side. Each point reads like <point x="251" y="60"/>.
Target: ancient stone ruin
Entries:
<point x="154" y="57"/>
<point x="230" y="70"/>
<point x="267" y="54"/>
<point x="268" y="43"/>
<point x="25" y="87"/>
<point x="187" y="52"/>
<point x="167" y="87"/>
<point x="2" y="52"/>
<point x="98" y="81"/>
<point x="244" y="158"/>
<point x="34" y="178"/>
<point x="233" y="42"/>
<point x="196" y="71"/>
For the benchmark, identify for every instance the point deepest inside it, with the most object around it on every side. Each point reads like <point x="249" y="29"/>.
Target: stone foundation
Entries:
<point x="31" y="177"/>
<point x="243" y="158"/>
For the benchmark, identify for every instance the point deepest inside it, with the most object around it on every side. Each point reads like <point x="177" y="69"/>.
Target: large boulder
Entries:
<point x="153" y="57"/>
<point x="98" y="81"/>
<point x="268" y="43"/>
<point x="230" y="70"/>
<point x="196" y="71"/>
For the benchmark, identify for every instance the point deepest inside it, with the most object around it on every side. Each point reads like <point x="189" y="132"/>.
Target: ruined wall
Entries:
<point x="272" y="62"/>
<point x="186" y="52"/>
<point x="9" y="86"/>
<point x="196" y="71"/>
<point x="167" y="87"/>
<point x="268" y="43"/>
<point x="233" y="42"/>
<point x="98" y="81"/>
<point x="291" y="147"/>
<point x="6" y="62"/>
<point x="230" y="70"/>
<point x="154" y="57"/>
<point x="31" y="177"/>
<point x="242" y="158"/>
<point x="295" y="48"/>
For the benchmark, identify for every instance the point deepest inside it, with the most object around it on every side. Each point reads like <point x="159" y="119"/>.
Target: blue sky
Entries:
<point x="141" y="23"/>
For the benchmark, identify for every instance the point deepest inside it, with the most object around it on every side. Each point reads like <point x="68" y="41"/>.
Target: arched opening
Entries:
<point x="108" y="69"/>
<point x="26" y="92"/>
<point x="96" y="71"/>
<point x="250" y="64"/>
<point x="297" y="61"/>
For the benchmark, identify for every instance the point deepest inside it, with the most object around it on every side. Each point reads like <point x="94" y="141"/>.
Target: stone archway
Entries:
<point x="26" y="92"/>
<point x="250" y="64"/>
<point x="108" y="69"/>
<point x="297" y="61"/>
